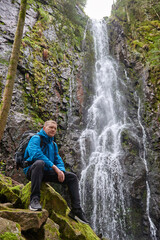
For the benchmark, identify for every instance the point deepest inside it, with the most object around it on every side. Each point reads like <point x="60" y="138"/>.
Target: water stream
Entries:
<point x="102" y="187"/>
<point x="102" y="184"/>
<point x="153" y="229"/>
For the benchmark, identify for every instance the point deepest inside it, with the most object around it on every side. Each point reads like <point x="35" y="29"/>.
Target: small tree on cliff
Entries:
<point x="8" y="90"/>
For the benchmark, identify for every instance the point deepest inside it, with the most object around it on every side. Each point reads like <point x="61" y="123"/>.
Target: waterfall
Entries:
<point x="104" y="187"/>
<point x="71" y="88"/>
<point x="84" y="36"/>
<point x="71" y="96"/>
<point x="153" y="229"/>
<point x="101" y="185"/>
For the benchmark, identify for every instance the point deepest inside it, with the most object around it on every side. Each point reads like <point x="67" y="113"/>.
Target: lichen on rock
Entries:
<point x="53" y="220"/>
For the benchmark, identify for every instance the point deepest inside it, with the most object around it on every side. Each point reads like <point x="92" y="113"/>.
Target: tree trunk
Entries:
<point x="8" y="91"/>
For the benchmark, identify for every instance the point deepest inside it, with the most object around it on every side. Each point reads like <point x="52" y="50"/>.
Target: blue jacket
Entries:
<point x="46" y="153"/>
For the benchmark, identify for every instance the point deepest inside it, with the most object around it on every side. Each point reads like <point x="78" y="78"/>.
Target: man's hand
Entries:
<point x="60" y="174"/>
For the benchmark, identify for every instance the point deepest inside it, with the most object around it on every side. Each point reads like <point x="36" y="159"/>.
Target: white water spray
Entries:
<point x="71" y="89"/>
<point x="102" y="187"/>
<point x="103" y="192"/>
<point x="153" y="229"/>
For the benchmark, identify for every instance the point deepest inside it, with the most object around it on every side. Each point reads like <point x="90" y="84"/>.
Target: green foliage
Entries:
<point x="140" y="20"/>
<point x="3" y="61"/>
<point x="69" y="9"/>
<point x="8" y="236"/>
<point x="44" y="15"/>
<point x="69" y="34"/>
<point x="2" y="166"/>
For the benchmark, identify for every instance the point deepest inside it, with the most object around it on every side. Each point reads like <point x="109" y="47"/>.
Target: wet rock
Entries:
<point x="27" y="219"/>
<point x="51" y="230"/>
<point x="5" y="206"/>
<point x="10" y="230"/>
<point x="66" y="72"/>
<point x="57" y="226"/>
<point x="71" y="230"/>
<point x="6" y="194"/>
<point x="49" y="197"/>
<point x="50" y="34"/>
<point x="9" y="11"/>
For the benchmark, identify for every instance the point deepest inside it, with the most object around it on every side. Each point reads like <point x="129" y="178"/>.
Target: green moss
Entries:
<point x="6" y="180"/>
<point x="60" y="54"/>
<point x="70" y="229"/>
<point x="25" y="195"/>
<point x="141" y="24"/>
<point x="17" y="189"/>
<point x="45" y="17"/>
<point x="4" y="62"/>
<point x="53" y="231"/>
<point x="2" y="166"/>
<point x="8" y="236"/>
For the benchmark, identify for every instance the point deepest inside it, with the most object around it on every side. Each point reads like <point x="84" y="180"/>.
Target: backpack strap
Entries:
<point x="54" y="150"/>
<point x="41" y="139"/>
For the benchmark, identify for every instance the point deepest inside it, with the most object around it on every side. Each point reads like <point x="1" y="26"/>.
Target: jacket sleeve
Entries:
<point x="34" y="152"/>
<point x="58" y="160"/>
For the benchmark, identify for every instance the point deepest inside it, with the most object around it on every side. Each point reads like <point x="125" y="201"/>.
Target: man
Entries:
<point x="45" y="164"/>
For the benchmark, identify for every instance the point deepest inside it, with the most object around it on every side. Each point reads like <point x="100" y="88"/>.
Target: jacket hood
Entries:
<point x="46" y="138"/>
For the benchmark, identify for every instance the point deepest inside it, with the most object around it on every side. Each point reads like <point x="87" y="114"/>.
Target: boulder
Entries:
<point x="70" y="229"/>
<point x="50" y="199"/>
<point x="10" y="230"/>
<point x="51" y="230"/>
<point x="27" y="219"/>
<point x="6" y="193"/>
<point x="52" y="222"/>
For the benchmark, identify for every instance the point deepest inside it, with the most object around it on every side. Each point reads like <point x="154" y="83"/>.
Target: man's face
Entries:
<point x="50" y="129"/>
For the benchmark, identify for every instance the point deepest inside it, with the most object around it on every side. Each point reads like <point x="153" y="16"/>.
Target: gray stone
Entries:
<point x="50" y="34"/>
<point x="51" y="230"/>
<point x="25" y="218"/>
<point x="7" y="227"/>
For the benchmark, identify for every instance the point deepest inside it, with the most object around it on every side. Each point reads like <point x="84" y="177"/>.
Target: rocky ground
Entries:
<point x="17" y="222"/>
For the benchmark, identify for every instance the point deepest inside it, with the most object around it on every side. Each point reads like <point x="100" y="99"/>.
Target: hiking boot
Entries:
<point x="35" y="205"/>
<point x="78" y="214"/>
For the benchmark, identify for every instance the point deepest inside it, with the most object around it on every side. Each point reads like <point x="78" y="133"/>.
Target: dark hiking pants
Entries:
<point x="36" y="174"/>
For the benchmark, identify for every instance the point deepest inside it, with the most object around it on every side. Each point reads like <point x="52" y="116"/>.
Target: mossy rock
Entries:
<point x="58" y="210"/>
<point x="28" y="220"/>
<point x="6" y="193"/>
<point x="10" y="230"/>
<point x="17" y="189"/>
<point x="6" y="180"/>
<point x="51" y="230"/>
<point x="71" y="229"/>
<point x="50" y="199"/>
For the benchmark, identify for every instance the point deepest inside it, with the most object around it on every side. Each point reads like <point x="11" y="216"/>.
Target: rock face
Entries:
<point x="50" y="223"/>
<point x="54" y="82"/>
<point x="130" y="44"/>
<point x="48" y="83"/>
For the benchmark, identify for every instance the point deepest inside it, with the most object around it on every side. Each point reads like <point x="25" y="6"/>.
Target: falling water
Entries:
<point x="84" y="36"/>
<point x="102" y="186"/>
<point x="102" y="183"/>
<point x="153" y="229"/>
<point x="71" y="89"/>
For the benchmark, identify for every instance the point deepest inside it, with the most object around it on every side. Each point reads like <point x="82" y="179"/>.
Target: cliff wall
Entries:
<point x="134" y="33"/>
<point x="49" y="80"/>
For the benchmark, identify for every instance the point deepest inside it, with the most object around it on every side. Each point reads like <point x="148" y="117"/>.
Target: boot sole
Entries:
<point x="80" y="220"/>
<point x="77" y="219"/>
<point x="35" y="209"/>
